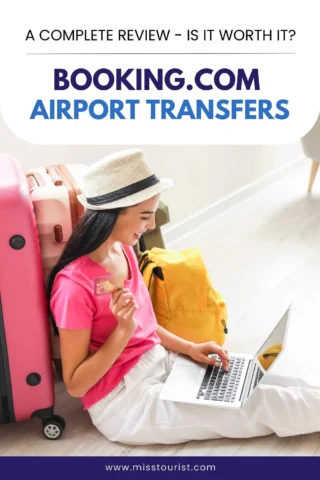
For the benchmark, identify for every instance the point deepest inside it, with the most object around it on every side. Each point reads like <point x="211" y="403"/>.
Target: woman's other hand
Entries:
<point x="123" y="307"/>
<point x="200" y="353"/>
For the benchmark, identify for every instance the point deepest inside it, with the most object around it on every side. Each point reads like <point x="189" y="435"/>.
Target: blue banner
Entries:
<point x="222" y="468"/>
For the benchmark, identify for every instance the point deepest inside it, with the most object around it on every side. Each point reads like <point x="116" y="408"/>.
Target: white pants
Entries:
<point x="133" y="413"/>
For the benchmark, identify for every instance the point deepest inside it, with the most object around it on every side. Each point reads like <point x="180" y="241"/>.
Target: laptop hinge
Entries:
<point x="246" y="385"/>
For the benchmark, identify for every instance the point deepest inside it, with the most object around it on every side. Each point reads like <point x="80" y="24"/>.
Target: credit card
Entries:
<point x="108" y="284"/>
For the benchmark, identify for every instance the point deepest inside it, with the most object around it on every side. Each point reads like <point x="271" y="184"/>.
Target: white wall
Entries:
<point x="202" y="174"/>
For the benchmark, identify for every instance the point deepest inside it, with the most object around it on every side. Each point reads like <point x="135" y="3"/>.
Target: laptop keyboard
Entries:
<point x="219" y="385"/>
<point x="258" y="378"/>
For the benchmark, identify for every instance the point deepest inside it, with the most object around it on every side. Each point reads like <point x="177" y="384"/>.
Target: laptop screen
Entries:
<point x="273" y="345"/>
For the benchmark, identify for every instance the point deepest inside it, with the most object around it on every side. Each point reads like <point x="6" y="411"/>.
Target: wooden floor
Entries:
<point x="259" y="254"/>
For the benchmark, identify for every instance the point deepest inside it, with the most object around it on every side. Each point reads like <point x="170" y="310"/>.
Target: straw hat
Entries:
<point x="120" y="180"/>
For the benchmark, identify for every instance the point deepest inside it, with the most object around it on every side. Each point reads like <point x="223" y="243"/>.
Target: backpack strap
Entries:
<point x="148" y="273"/>
<point x="143" y="257"/>
<point x="145" y="264"/>
<point x="149" y="268"/>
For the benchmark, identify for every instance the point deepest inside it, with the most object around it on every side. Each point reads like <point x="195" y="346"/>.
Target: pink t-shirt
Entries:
<point x="74" y="307"/>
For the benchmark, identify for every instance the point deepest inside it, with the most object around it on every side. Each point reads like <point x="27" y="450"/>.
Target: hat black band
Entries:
<point x="124" y="192"/>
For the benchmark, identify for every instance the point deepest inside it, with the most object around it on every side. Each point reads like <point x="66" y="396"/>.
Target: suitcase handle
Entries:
<point x="34" y="181"/>
<point x="76" y="209"/>
<point x="57" y="181"/>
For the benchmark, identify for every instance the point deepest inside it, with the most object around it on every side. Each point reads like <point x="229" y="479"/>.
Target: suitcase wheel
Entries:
<point x="53" y="427"/>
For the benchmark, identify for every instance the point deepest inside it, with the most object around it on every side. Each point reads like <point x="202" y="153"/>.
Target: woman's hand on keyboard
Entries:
<point x="200" y="353"/>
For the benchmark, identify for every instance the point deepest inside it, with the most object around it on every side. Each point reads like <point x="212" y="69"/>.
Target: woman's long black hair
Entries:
<point x="92" y="229"/>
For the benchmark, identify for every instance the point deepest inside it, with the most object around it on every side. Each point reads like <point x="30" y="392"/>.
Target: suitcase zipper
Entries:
<point x="225" y="326"/>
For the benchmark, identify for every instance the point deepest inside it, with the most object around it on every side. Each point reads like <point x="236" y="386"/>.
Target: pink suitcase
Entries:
<point x="26" y="374"/>
<point x="54" y="191"/>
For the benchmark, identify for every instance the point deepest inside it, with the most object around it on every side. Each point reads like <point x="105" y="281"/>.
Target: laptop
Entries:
<point x="201" y="384"/>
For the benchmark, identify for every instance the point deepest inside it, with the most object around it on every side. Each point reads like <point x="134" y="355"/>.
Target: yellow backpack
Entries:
<point x="184" y="301"/>
<point x="267" y="357"/>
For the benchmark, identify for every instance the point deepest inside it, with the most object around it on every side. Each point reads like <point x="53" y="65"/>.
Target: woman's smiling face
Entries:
<point x="133" y="221"/>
